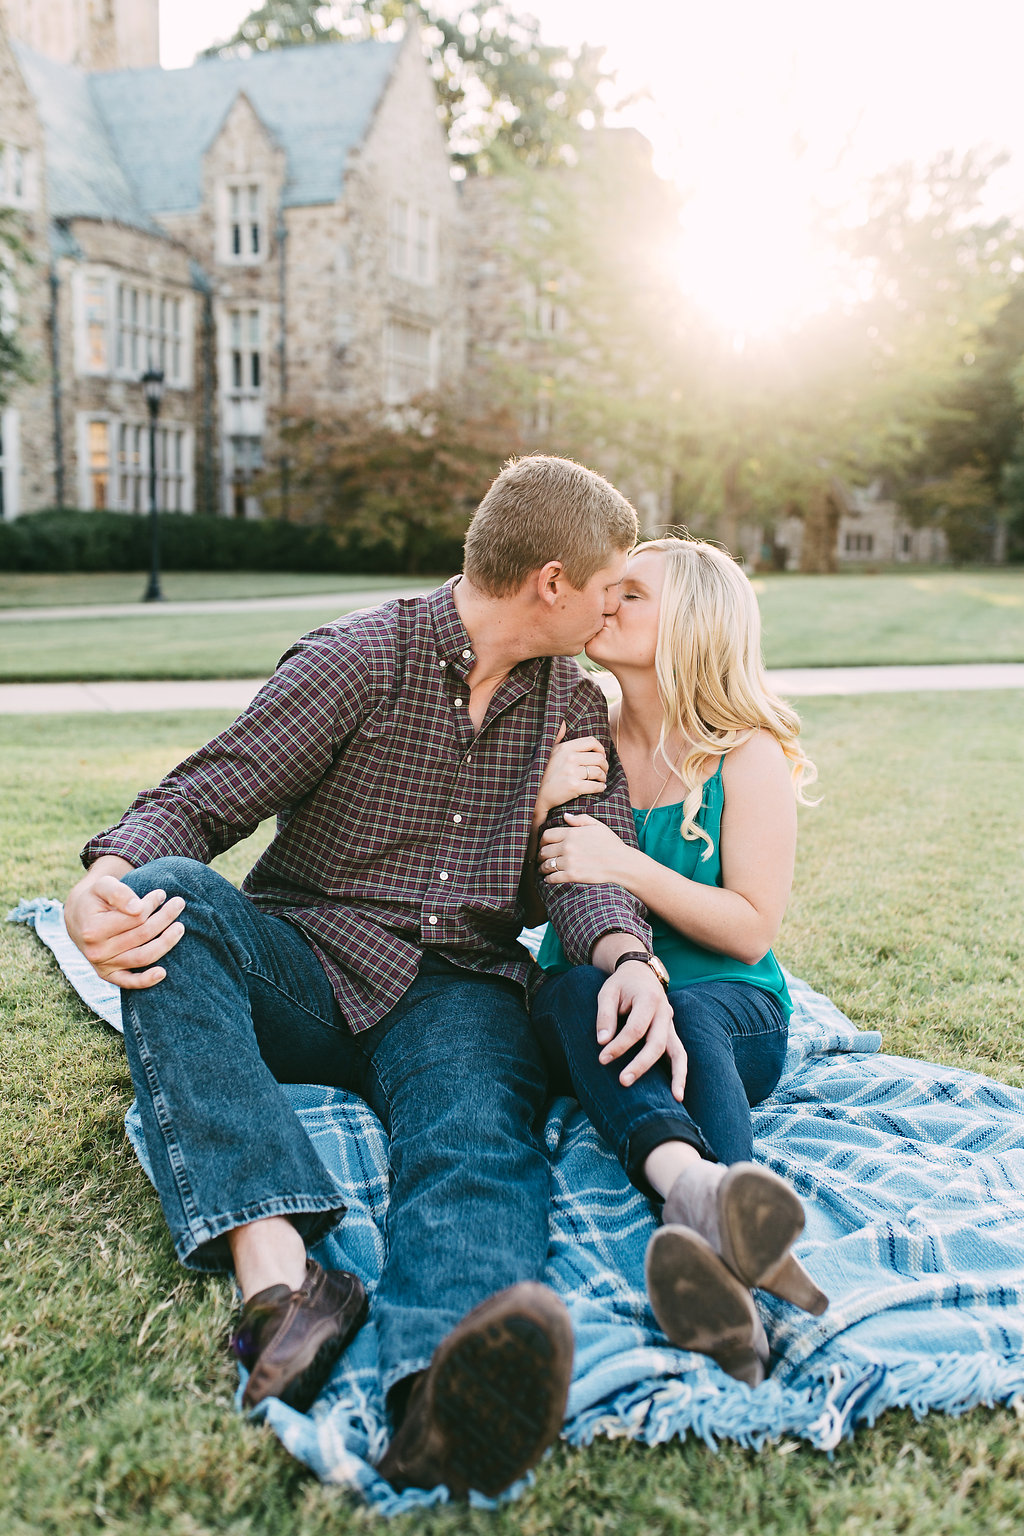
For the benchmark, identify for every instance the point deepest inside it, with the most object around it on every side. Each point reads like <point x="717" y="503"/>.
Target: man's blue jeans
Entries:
<point x="453" y="1072"/>
<point x="735" y="1037"/>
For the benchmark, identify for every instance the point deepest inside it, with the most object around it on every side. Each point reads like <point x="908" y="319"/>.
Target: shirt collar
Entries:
<point x="454" y="647"/>
<point x="450" y="634"/>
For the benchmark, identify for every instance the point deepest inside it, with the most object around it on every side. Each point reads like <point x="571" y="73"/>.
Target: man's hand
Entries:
<point x="635" y="991"/>
<point x="119" y="933"/>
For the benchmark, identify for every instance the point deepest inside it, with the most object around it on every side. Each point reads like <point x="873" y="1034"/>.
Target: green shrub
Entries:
<point x="116" y="541"/>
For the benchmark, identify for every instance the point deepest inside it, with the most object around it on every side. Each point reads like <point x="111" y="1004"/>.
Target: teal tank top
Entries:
<point x="658" y="834"/>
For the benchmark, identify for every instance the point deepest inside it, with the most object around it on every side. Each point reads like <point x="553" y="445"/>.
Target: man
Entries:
<point x="373" y="946"/>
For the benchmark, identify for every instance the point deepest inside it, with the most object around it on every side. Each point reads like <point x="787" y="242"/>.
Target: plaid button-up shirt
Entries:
<point x="398" y="828"/>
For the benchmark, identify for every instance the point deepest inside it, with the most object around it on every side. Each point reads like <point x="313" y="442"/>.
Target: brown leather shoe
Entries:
<point x="289" y="1340"/>
<point x="493" y="1399"/>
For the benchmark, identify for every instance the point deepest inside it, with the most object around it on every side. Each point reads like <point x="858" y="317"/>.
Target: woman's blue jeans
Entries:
<point x="453" y="1072"/>
<point x="735" y="1037"/>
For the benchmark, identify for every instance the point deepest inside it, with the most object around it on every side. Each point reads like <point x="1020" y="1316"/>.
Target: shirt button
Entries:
<point x="443" y="875"/>
<point x="467" y="655"/>
<point x="457" y="703"/>
<point x="431" y="921"/>
<point x="442" y="663"/>
<point x="456" y="819"/>
<point x="468" y="761"/>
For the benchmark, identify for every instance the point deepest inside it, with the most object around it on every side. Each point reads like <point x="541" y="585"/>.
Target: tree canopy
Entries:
<point x="503" y="93"/>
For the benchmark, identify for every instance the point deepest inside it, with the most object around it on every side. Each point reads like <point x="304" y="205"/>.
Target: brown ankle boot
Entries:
<point x="700" y="1305"/>
<point x="751" y="1218"/>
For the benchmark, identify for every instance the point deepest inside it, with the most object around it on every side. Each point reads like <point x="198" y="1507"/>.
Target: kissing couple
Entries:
<point x="442" y="770"/>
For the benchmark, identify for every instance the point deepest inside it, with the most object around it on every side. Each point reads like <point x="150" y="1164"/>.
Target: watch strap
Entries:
<point x="633" y="954"/>
<point x="647" y="959"/>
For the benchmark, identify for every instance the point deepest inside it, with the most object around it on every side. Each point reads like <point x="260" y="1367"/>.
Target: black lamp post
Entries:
<point x="153" y="385"/>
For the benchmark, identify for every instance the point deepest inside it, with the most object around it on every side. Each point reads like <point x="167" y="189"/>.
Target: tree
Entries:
<point x="502" y="92"/>
<point x="863" y="389"/>
<point x="587" y="248"/>
<point x="404" y="485"/>
<point x="969" y="470"/>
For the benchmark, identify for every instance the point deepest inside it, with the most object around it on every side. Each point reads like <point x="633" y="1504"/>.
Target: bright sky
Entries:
<point x="756" y="106"/>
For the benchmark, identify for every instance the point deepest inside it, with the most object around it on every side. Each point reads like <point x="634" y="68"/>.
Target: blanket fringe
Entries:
<point x="823" y="1415"/>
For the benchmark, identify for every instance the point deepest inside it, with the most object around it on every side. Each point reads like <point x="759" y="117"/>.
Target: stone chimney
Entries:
<point x="94" y="34"/>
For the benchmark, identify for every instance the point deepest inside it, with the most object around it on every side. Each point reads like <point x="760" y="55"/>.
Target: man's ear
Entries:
<point x="550" y="582"/>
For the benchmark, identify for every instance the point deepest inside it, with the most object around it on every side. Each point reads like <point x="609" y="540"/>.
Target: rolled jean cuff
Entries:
<point x="650" y="1134"/>
<point x="204" y="1245"/>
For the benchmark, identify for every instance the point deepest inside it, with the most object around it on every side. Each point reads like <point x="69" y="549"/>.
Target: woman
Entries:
<point x="715" y="769"/>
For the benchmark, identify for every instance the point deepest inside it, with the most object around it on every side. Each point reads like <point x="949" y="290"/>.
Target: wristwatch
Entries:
<point x="651" y="960"/>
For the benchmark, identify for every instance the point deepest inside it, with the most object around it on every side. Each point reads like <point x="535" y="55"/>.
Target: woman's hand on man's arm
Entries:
<point x="575" y="768"/>
<point x="586" y="851"/>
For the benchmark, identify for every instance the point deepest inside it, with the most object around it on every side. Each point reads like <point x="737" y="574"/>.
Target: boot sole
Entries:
<point x="759" y="1218"/>
<point x="496" y="1394"/>
<point x="700" y="1305"/>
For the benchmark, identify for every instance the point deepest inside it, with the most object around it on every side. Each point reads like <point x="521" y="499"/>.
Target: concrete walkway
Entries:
<point x="235" y="693"/>
<point x="340" y="602"/>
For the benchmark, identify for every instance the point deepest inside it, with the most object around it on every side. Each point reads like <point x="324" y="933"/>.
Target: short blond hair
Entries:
<point x="711" y="676"/>
<point x="540" y="509"/>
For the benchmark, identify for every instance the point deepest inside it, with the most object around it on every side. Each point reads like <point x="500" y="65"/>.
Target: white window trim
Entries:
<point x="82" y="421"/>
<point x="29" y="177"/>
<point x="113" y="423"/>
<point x="184" y="380"/>
<point x="79" y="280"/>
<point x="223" y="235"/>
<point x="393" y="397"/>
<point x="407" y="271"/>
<point x="10" y="463"/>
<point x="225" y="349"/>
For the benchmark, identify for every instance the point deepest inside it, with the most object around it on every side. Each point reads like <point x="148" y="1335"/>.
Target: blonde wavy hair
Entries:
<point x="711" y="675"/>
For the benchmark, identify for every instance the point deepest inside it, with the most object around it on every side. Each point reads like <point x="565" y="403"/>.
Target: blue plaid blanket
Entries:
<point x="912" y="1176"/>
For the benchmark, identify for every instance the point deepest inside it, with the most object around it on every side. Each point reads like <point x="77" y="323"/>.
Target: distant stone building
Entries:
<point x="275" y="229"/>
<point x="872" y="530"/>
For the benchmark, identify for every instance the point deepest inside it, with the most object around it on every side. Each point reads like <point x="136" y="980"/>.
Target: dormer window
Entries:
<point x="244" y="234"/>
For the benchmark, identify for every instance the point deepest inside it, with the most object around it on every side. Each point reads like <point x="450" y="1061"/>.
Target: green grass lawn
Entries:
<point x="854" y="620"/>
<point x="19" y="589"/>
<point x="846" y="620"/>
<point x="115" y="1391"/>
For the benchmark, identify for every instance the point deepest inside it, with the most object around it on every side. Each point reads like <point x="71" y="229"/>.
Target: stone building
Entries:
<point x="871" y="531"/>
<point x="269" y="232"/>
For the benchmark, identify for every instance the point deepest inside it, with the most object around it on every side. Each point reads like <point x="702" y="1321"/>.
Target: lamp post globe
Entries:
<point x="152" y="382"/>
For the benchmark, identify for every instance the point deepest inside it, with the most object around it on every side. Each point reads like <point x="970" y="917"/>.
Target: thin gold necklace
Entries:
<point x="661" y="789"/>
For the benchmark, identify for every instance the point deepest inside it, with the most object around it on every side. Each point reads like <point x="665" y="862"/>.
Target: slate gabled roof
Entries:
<point x="128" y="145"/>
<point x="317" y="102"/>
<point x="84" y="178"/>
